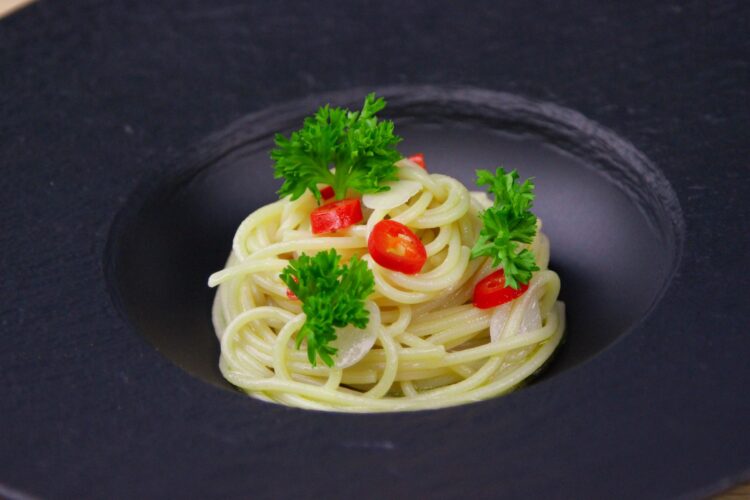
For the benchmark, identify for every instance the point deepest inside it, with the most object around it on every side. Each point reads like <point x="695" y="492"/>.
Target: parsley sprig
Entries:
<point x="333" y="296"/>
<point x="360" y="149"/>
<point x="506" y="224"/>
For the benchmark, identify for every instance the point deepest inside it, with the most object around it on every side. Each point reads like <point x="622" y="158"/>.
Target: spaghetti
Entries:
<point x="429" y="347"/>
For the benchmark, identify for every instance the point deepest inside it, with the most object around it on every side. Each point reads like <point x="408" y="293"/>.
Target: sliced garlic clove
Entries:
<point x="353" y="343"/>
<point x="398" y="195"/>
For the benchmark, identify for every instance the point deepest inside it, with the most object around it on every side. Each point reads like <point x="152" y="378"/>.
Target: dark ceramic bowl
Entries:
<point x="610" y="214"/>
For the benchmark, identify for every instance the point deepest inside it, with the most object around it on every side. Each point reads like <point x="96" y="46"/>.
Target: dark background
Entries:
<point x="95" y="95"/>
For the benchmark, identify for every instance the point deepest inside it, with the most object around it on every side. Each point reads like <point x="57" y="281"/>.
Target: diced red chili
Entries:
<point x="492" y="291"/>
<point x="327" y="192"/>
<point x="419" y="160"/>
<point x="336" y="215"/>
<point x="290" y="293"/>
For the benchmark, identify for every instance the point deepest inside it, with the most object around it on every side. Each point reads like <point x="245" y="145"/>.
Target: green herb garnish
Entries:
<point x="332" y="295"/>
<point x="506" y="224"/>
<point x="360" y="149"/>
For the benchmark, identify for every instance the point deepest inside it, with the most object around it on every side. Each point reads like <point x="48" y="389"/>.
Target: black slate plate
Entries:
<point x="100" y="99"/>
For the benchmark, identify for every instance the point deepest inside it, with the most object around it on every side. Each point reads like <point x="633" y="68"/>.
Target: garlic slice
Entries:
<point x="398" y="195"/>
<point x="353" y="343"/>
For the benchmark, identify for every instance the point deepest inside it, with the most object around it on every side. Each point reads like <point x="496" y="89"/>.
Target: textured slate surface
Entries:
<point x="95" y="95"/>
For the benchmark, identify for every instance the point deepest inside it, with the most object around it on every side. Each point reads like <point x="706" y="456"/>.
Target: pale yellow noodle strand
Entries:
<point x="390" y="370"/>
<point x="282" y="344"/>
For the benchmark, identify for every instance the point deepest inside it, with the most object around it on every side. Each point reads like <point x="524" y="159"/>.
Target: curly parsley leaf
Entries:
<point x="506" y="224"/>
<point x="333" y="296"/>
<point x="359" y="148"/>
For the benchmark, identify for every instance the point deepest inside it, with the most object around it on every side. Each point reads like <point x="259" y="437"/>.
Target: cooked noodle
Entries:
<point x="432" y="349"/>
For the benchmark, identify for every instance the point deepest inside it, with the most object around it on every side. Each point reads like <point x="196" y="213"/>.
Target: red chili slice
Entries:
<point x="327" y="192"/>
<point x="336" y="215"/>
<point x="395" y="247"/>
<point x="419" y="160"/>
<point x="492" y="291"/>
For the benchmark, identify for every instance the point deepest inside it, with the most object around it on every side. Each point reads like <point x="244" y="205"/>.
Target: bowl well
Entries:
<point x="611" y="217"/>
